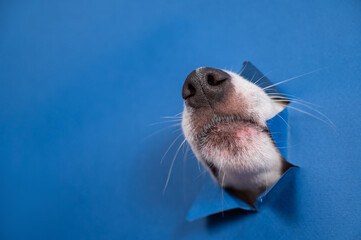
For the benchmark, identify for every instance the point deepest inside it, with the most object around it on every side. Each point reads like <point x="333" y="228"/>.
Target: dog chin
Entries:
<point x="239" y="154"/>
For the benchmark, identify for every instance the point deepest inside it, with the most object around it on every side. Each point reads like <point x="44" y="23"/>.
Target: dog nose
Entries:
<point x="205" y="86"/>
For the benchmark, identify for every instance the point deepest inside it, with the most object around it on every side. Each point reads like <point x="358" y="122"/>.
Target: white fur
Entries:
<point x="259" y="164"/>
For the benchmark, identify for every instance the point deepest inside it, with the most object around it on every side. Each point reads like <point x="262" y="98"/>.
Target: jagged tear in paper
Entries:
<point x="213" y="198"/>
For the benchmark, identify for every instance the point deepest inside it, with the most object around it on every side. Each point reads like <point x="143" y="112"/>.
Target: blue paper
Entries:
<point x="81" y="81"/>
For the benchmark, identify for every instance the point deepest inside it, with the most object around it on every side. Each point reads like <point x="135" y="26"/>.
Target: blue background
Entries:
<point x="81" y="82"/>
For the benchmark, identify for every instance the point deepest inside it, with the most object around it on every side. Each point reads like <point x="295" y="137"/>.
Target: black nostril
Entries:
<point x="191" y="86"/>
<point x="215" y="80"/>
<point x="189" y="91"/>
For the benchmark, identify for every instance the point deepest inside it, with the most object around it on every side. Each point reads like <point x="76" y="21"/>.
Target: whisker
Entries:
<point x="161" y="160"/>
<point x="199" y="175"/>
<point x="169" y="121"/>
<point x="159" y="131"/>
<point x="243" y="69"/>
<point x="315" y="110"/>
<point x="284" y="121"/>
<point x="171" y="166"/>
<point x="199" y="165"/>
<point x="175" y="115"/>
<point x="319" y="112"/>
<point x="224" y="174"/>
<point x="263" y="77"/>
<point x="307" y="113"/>
<point x="287" y="80"/>
<point x="291" y="97"/>
<point x="178" y="115"/>
<point x="172" y="118"/>
<point x="177" y="130"/>
<point x="186" y="154"/>
<point x="253" y="76"/>
<point x="291" y="101"/>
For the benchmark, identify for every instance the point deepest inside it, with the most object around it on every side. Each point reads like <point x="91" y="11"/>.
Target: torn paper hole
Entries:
<point x="212" y="198"/>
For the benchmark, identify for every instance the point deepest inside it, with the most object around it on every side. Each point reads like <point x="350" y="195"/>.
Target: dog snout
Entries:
<point x="205" y="86"/>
